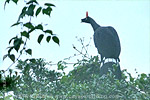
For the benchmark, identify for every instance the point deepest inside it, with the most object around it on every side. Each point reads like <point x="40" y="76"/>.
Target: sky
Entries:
<point x="131" y="19"/>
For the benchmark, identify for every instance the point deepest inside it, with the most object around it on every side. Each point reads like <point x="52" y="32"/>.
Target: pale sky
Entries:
<point x="131" y="19"/>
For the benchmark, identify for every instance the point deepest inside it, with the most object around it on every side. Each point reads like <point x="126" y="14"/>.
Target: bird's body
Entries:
<point x="106" y="40"/>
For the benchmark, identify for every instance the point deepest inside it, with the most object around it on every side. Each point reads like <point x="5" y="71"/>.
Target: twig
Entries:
<point x="79" y="51"/>
<point x="65" y="63"/>
<point x="20" y="50"/>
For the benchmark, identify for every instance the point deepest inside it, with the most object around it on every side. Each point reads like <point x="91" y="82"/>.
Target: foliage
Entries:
<point x="19" y="42"/>
<point x="8" y="82"/>
<point x="84" y="82"/>
<point x="35" y="79"/>
<point x="85" y="70"/>
<point x="38" y="82"/>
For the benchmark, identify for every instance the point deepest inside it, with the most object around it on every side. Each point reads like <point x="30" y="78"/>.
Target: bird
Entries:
<point x="106" y="40"/>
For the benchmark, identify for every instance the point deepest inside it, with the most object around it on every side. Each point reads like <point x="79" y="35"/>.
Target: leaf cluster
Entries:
<point x="83" y="82"/>
<point x="19" y="42"/>
<point x="8" y="82"/>
<point x="35" y="79"/>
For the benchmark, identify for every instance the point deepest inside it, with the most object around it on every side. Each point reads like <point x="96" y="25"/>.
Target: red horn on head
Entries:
<point x="87" y="14"/>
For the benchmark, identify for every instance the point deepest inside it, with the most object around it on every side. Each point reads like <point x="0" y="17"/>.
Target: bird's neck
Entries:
<point x="94" y="24"/>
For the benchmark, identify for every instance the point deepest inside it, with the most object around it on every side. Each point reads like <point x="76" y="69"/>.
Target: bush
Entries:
<point x="84" y="82"/>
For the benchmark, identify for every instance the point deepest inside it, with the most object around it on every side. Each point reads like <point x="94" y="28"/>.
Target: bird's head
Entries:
<point x="87" y="19"/>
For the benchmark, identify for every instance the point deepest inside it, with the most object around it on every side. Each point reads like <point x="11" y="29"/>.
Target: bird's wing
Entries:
<point x="107" y="41"/>
<point x="102" y="35"/>
<point x="113" y="31"/>
<point x="116" y="37"/>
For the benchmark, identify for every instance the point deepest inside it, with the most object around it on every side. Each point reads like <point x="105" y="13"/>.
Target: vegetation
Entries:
<point x="37" y="82"/>
<point x="34" y="80"/>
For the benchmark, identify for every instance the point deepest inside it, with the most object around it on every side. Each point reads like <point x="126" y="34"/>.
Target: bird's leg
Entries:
<point x="116" y="61"/>
<point x="101" y="64"/>
<point x="102" y="61"/>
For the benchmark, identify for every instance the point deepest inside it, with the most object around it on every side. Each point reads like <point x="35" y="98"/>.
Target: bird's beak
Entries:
<point x="82" y="20"/>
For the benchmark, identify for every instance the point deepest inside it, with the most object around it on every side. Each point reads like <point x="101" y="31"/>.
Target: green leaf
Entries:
<point x="17" y="43"/>
<point x="22" y="13"/>
<point x="47" y="11"/>
<point x="40" y="38"/>
<point x="7" y="1"/>
<point x="49" y="4"/>
<point x="32" y="60"/>
<point x="25" y="34"/>
<point x="39" y="27"/>
<point x="12" y="57"/>
<point x="12" y="39"/>
<point x="29" y="51"/>
<point x="143" y="75"/>
<point x="38" y="11"/>
<point x="49" y="31"/>
<point x="10" y="71"/>
<point x="15" y="24"/>
<point x="43" y="11"/>
<point x="16" y="73"/>
<point x="26" y="69"/>
<point x="32" y="30"/>
<point x="15" y="1"/>
<point x="28" y="25"/>
<point x="17" y="78"/>
<point x="10" y="48"/>
<point x="32" y="1"/>
<point x="30" y="11"/>
<point x="55" y="39"/>
<point x="131" y="79"/>
<point x="5" y="56"/>
<point x="8" y="97"/>
<point x="48" y="38"/>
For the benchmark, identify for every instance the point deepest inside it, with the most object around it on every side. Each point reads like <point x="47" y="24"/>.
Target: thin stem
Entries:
<point x="65" y="63"/>
<point x="20" y="50"/>
<point x="18" y="56"/>
<point x="80" y="52"/>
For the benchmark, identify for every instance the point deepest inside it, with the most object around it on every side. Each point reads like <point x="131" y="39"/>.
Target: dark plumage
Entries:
<point x="106" y="40"/>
